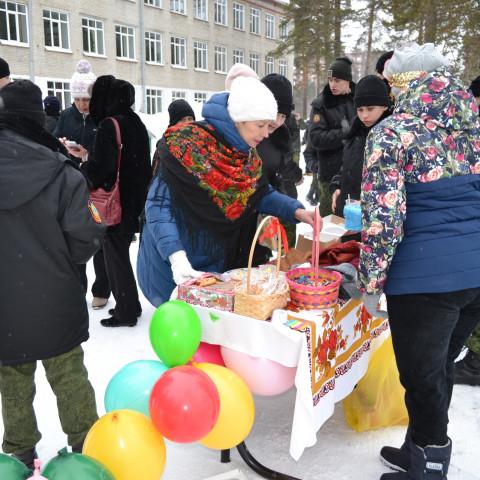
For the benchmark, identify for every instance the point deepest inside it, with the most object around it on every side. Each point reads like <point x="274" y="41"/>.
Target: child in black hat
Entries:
<point x="180" y="111"/>
<point x="52" y="107"/>
<point x="372" y="102"/>
<point x="4" y="73"/>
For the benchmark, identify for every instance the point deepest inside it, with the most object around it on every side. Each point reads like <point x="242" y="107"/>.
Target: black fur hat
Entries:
<point x="381" y="61"/>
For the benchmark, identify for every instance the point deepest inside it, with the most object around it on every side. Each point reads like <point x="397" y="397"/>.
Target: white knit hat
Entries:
<point x="239" y="70"/>
<point x="249" y="100"/>
<point x="81" y="80"/>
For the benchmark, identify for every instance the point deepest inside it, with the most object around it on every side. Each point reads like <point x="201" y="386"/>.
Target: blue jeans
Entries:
<point x="428" y="333"/>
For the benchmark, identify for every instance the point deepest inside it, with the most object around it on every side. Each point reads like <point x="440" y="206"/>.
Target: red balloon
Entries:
<point x="184" y="404"/>
<point x="208" y="353"/>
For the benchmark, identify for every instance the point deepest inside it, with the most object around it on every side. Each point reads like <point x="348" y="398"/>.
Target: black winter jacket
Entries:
<point x="330" y="118"/>
<point x="45" y="230"/>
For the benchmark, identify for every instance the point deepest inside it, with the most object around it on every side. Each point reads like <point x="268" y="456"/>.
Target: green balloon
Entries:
<point x="175" y="332"/>
<point x="13" y="469"/>
<point x="75" y="466"/>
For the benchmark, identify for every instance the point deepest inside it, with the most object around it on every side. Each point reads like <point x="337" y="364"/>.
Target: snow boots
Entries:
<point x="397" y="458"/>
<point x="27" y="457"/>
<point x="429" y="463"/>
<point x="467" y="371"/>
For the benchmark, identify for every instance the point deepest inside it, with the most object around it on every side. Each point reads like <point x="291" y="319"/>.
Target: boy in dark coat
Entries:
<point x="47" y="229"/>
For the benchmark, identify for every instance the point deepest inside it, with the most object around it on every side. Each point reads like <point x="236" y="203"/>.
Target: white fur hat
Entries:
<point x="251" y="100"/>
<point x="81" y="80"/>
<point x="239" y="70"/>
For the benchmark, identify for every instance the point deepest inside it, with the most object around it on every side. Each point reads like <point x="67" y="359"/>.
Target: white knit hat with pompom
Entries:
<point x="81" y="80"/>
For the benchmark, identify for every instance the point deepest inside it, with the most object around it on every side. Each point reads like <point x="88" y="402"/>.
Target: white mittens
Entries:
<point x="181" y="268"/>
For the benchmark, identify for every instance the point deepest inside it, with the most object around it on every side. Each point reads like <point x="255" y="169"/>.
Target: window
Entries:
<point x="220" y="59"/>
<point x="238" y="56"/>
<point x="283" y="29"/>
<point x="255" y="62"/>
<point x="255" y="21"/>
<point x="221" y="12"/>
<point x="238" y="16"/>
<point x="178" y="51"/>
<point x="200" y="55"/>
<point x="269" y="65"/>
<point x="178" y="94"/>
<point x="154" y="100"/>
<point x="200" y="97"/>
<point x="153" y="47"/>
<point x="282" y="67"/>
<point x="200" y="9"/>
<point x="153" y="3"/>
<point x="13" y="22"/>
<point x="178" y="6"/>
<point x="55" y="28"/>
<point x="269" y="25"/>
<point x="125" y="38"/>
<point x="93" y="38"/>
<point x="61" y="90"/>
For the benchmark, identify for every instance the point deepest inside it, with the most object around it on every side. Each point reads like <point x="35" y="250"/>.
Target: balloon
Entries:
<point x="131" y="386"/>
<point x="75" y="466"/>
<point x="175" y="332"/>
<point x="184" y="404"/>
<point x="208" y="353"/>
<point x="36" y="472"/>
<point x="12" y="468"/>
<point x="237" y="409"/>
<point x="128" y="444"/>
<point x="263" y="376"/>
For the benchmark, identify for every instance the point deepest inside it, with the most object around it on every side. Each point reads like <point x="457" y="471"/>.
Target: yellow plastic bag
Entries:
<point x="378" y="399"/>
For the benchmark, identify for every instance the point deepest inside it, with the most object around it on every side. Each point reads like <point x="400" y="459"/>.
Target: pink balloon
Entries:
<point x="263" y="376"/>
<point x="208" y="353"/>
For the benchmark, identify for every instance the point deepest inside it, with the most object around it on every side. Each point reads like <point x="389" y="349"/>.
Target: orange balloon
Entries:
<point x="237" y="409"/>
<point x="128" y="444"/>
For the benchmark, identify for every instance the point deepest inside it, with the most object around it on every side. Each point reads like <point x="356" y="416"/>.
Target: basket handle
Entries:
<point x="316" y="242"/>
<point x="252" y="248"/>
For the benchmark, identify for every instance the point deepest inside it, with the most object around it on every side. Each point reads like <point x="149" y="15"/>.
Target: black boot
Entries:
<point x="397" y="458"/>
<point x="27" y="457"/>
<point x="429" y="463"/>
<point x="77" y="448"/>
<point x="467" y="371"/>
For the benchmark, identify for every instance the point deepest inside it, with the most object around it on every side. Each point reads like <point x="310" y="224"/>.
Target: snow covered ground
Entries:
<point x="340" y="452"/>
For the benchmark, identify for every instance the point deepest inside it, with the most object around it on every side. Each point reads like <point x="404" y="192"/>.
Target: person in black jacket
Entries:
<point x="372" y="101"/>
<point x="47" y="229"/>
<point x="52" y="107"/>
<point x="331" y="114"/>
<point x="113" y="97"/>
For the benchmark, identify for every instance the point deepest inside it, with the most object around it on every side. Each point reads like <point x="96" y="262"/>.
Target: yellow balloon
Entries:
<point x="128" y="444"/>
<point x="237" y="409"/>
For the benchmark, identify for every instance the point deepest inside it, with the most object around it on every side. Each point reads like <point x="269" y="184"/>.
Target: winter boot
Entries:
<point x="397" y="458"/>
<point x="429" y="463"/>
<point x="77" y="448"/>
<point x="467" y="371"/>
<point x="27" y="457"/>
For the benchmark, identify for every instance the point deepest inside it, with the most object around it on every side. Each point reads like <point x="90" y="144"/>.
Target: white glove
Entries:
<point x="181" y="268"/>
<point x="371" y="305"/>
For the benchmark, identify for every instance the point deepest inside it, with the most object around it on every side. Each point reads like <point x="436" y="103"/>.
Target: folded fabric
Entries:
<point x="340" y="253"/>
<point x="348" y="289"/>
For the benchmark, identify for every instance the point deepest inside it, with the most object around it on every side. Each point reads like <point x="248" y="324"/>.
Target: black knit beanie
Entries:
<point x="24" y="99"/>
<point x="381" y="61"/>
<point x="4" y="69"/>
<point x="371" y="90"/>
<point x="179" y="109"/>
<point x="281" y="88"/>
<point x="52" y="105"/>
<point x="341" y="68"/>
<point x="475" y="87"/>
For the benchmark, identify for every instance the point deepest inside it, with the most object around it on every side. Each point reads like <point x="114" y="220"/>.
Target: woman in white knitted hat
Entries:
<point x="421" y="244"/>
<point x="201" y="211"/>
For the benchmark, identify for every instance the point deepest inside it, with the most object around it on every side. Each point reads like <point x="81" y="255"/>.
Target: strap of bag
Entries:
<point x="119" y="143"/>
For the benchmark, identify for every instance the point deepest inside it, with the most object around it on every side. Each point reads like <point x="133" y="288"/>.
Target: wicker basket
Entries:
<point x="314" y="287"/>
<point x="260" y="307"/>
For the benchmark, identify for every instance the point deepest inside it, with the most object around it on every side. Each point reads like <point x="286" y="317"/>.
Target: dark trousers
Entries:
<point x="101" y="285"/>
<point x="116" y="248"/>
<point x="428" y="333"/>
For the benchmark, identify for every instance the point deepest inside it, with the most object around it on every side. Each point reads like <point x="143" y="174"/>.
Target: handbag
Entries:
<point x="108" y="203"/>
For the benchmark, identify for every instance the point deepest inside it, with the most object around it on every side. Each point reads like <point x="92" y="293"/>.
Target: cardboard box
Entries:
<point x="332" y="231"/>
<point x="221" y="295"/>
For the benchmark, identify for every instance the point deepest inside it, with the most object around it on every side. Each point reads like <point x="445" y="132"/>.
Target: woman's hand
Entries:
<point x="78" y="151"/>
<point x="335" y="195"/>
<point x="306" y="216"/>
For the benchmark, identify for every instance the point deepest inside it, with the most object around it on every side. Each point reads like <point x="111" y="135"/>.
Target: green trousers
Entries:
<point x="76" y="404"/>
<point x="325" y="199"/>
<point x="473" y="343"/>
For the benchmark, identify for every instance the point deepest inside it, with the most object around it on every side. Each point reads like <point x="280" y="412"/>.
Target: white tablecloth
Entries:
<point x="331" y="349"/>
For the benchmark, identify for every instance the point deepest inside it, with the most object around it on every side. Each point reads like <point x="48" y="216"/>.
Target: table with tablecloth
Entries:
<point x="331" y="349"/>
